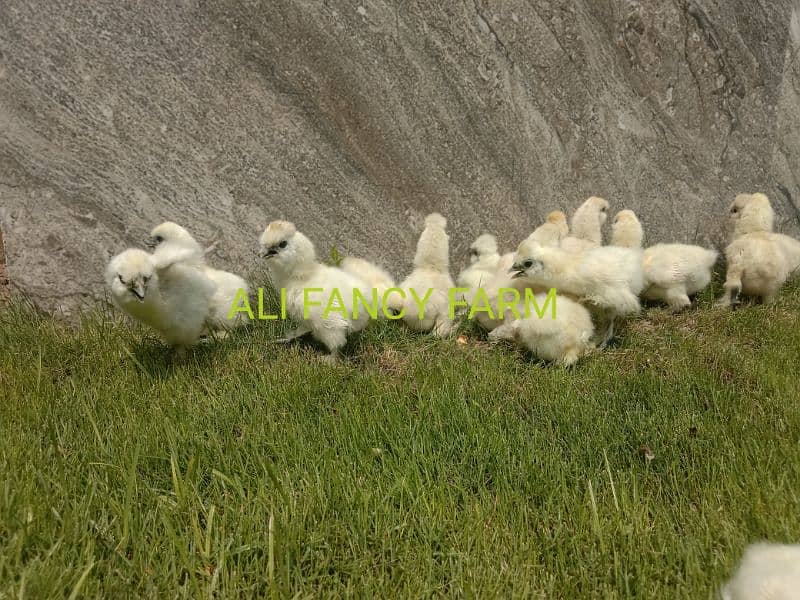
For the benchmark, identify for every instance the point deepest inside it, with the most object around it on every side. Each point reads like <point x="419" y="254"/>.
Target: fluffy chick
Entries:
<point x="672" y="272"/>
<point x="562" y="340"/>
<point x="626" y="230"/>
<point x="586" y="226"/>
<point x="483" y="258"/>
<point x="609" y="277"/>
<point x="767" y="572"/>
<point x="552" y="231"/>
<point x="294" y="267"/>
<point x="174" y="298"/>
<point x="431" y="273"/>
<point x="172" y="244"/>
<point x="377" y="277"/>
<point x="759" y="261"/>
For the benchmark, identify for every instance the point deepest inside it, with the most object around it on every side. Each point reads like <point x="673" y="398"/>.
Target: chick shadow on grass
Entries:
<point x="154" y="358"/>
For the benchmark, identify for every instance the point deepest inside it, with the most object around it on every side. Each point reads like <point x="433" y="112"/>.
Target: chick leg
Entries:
<point x="443" y="327"/>
<point x="609" y="334"/>
<point x="733" y="286"/>
<point x="677" y="299"/>
<point x="333" y="338"/>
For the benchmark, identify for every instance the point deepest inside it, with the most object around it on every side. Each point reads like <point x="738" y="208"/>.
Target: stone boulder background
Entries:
<point x="355" y="119"/>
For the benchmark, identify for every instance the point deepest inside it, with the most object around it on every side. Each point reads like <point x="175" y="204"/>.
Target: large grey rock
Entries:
<point x="354" y="119"/>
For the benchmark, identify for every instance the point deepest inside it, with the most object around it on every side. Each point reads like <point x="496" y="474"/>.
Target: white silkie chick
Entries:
<point x="294" y="267"/>
<point x="174" y="299"/>
<point x="608" y="277"/>
<point x="767" y="572"/>
<point x="552" y="231"/>
<point x="562" y="340"/>
<point x="171" y="244"/>
<point x="431" y="277"/>
<point x="759" y="261"/>
<point x="672" y="272"/>
<point x="483" y="259"/>
<point x="377" y="277"/>
<point x="586" y="226"/>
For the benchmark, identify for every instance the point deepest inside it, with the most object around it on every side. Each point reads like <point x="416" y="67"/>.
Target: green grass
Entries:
<point x="415" y="468"/>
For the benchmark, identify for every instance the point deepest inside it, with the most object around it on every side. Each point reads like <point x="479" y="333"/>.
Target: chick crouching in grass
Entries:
<point x="173" y="298"/>
<point x="561" y="334"/>
<point x="759" y="261"/>
<point x="319" y="297"/>
<point x="672" y="272"/>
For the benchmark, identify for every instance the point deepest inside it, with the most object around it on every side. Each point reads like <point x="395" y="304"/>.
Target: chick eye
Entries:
<point x="283" y="244"/>
<point x="734" y="210"/>
<point x="603" y="209"/>
<point x="159" y="239"/>
<point x="527" y="264"/>
<point x="146" y="279"/>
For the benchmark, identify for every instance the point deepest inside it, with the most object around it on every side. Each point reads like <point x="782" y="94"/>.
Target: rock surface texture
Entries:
<point x="355" y="119"/>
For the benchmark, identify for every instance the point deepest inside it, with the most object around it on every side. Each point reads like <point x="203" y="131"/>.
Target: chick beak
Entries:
<point x="267" y="252"/>
<point x="517" y="270"/>
<point x="151" y="242"/>
<point x="138" y="291"/>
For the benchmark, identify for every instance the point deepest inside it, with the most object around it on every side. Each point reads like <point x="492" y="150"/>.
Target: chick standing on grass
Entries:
<point x="563" y="339"/>
<point x="767" y="572"/>
<point x="174" y="244"/>
<point x="672" y="272"/>
<point x="293" y="264"/>
<point x="586" y="226"/>
<point x="375" y="276"/>
<point x="759" y="261"/>
<point x="172" y="298"/>
<point x="431" y="278"/>
<point x="609" y="278"/>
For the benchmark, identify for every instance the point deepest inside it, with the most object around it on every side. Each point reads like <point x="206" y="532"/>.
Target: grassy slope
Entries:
<point x="417" y="467"/>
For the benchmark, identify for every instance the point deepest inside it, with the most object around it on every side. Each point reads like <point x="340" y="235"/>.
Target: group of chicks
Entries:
<point x="176" y="293"/>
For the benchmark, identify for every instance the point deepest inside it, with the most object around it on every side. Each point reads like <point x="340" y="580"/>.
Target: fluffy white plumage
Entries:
<point x="483" y="258"/>
<point x="759" y="261"/>
<point x="431" y="273"/>
<point x="173" y="244"/>
<point x="672" y="272"/>
<point x="562" y="340"/>
<point x="172" y="298"/>
<point x="550" y="233"/>
<point x="377" y="277"/>
<point x="586" y="226"/>
<point x="553" y="231"/>
<point x="608" y="277"/>
<point x="767" y="572"/>
<point x="293" y="264"/>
